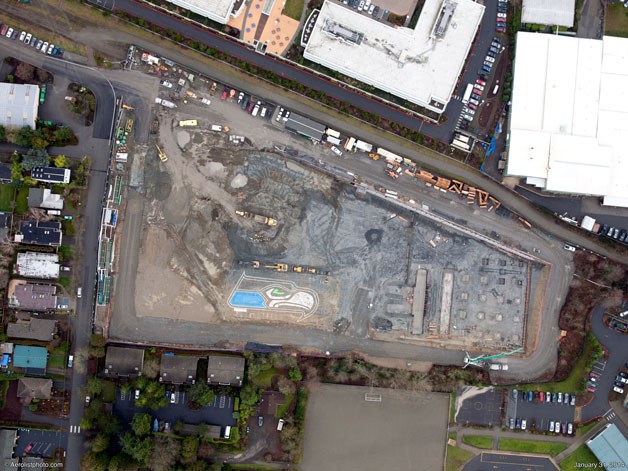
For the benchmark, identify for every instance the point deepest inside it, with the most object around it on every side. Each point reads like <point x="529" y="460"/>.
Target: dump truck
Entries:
<point x="166" y="103"/>
<point x="278" y="267"/>
<point x="257" y="218"/>
<point x="188" y="122"/>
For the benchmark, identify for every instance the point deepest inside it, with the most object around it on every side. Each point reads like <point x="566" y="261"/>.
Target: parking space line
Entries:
<point x="516" y="462"/>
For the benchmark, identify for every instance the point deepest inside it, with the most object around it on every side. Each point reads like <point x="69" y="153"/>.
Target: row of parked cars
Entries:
<point x="30" y="40"/>
<point x="566" y="428"/>
<point x="502" y="16"/>
<point x="250" y="104"/>
<point x="616" y="233"/>
<point x="620" y="382"/>
<point x="546" y="397"/>
<point x="365" y="6"/>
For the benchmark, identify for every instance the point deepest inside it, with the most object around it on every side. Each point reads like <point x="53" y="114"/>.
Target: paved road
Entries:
<point x="617" y="347"/>
<point x="509" y="462"/>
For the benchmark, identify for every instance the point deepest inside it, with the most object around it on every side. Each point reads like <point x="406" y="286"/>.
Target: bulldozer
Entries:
<point x="162" y="155"/>
<point x="278" y="267"/>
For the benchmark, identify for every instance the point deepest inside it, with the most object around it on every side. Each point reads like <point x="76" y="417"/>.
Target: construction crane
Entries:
<point x="162" y="155"/>
<point x="481" y="361"/>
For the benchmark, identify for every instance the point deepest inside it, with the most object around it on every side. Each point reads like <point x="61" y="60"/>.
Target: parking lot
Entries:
<point x="539" y="414"/>
<point x="220" y="412"/>
<point x="44" y="442"/>
<point x="476" y="406"/>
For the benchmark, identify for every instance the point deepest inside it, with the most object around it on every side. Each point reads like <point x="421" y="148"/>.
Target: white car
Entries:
<point x="336" y="151"/>
<point x="205" y="101"/>
<point x="137" y="394"/>
<point x="569" y="428"/>
<point x="173" y="397"/>
<point x="557" y="427"/>
<point x="240" y="97"/>
<point x="50" y="49"/>
<point x="9" y="33"/>
<point x="570" y="248"/>
<point x="501" y="15"/>
<point x="371" y="9"/>
<point x="618" y="390"/>
<point x="361" y="5"/>
<point x="479" y="87"/>
<point x="22" y="36"/>
<point x="44" y="47"/>
<point x="165" y="83"/>
<point x="551" y="426"/>
<point x="27" y="39"/>
<point x="489" y="59"/>
<point x="524" y="423"/>
<point x="79" y="292"/>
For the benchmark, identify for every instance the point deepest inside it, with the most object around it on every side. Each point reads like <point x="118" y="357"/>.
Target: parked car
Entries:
<point x="618" y="390"/>
<point x="472" y="106"/>
<point x="22" y="36"/>
<point x="514" y="394"/>
<point x="44" y="47"/>
<point x="511" y="423"/>
<point x="9" y="33"/>
<point x="570" y="428"/>
<point x="70" y="361"/>
<point x="240" y="97"/>
<point x="28" y="38"/>
<point x="260" y="421"/>
<point x="474" y="102"/>
<point x="3" y="30"/>
<point x="563" y="428"/>
<point x="518" y="423"/>
<point x="79" y="292"/>
<point x="530" y="396"/>
<point x="361" y="5"/>
<point x="28" y="448"/>
<point x="279" y="114"/>
<point x="566" y="398"/>
<point x="371" y="9"/>
<point x="166" y="83"/>
<point x="33" y="42"/>
<point x="551" y="426"/>
<point x="573" y="400"/>
<point x="336" y="151"/>
<point x="548" y="397"/>
<point x="491" y="54"/>
<point x="570" y="248"/>
<point x="500" y="29"/>
<point x="482" y="83"/>
<point x="489" y="59"/>
<point x="224" y="95"/>
<point x="557" y="427"/>
<point x="173" y="397"/>
<point x="501" y="15"/>
<point x="541" y="396"/>
<point x="39" y="44"/>
<point x="524" y="424"/>
<point x="137" y="394"/>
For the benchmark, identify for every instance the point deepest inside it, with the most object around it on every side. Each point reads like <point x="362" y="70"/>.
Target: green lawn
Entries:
<point x="530" y="446"/>
<point x="283" y="408"/>
<point x="452" y="406"/>
<point x="56" y="360"/>
<point x="478" y="441"/>
<point x="108" y="391"/>
<point x="581" y="457"/>
<point x="616" y="21"/>
<point x="6" y="197"/>
<point x="21" y="202"/>
<point x="293" y="9"/>
<point x="575" y="381"/>
<point x="456" y="458"/>
<point x="583" y="429"/>
<point x="264" y="379"/>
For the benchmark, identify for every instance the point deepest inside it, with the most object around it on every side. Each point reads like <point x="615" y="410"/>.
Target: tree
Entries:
<point x="285" y="386"/>
<point x="153" y="396"/>
<point x="165" y="453"/>
<point x="248" y="395"/>
<point x="39" y="139"/>
<point x="97" y="346"/>
<point x="3" y="133"/>
<point x="201" y="393"/>
<point x="122" y="462"/>
<point x="35" y="158"/>
<point x="64" y="134"/>
<point x="197" y="466"/>
<point x="141" y="424"/>
<point x="25" y="72"/>
<point x="95" y="461"/>
<point x="140" y="449"/>
<point x="93" y="386"/>
<point x="100" y="443"/>
<point x="24" y="137"/>
<point x="61" y="161"/>
<point x="189" y="449"/>
<point x="295" y="374"/>
<point x="150" y="369"/>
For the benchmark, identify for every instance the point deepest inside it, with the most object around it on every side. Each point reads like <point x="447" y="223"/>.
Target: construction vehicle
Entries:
<point x="298" y="269"/>
<point x="188" y="123"/>
<point x="255" y="264"/>
<point x="129" y="125"/>
<point x="212" y="89"/>
<point x="278" y="267"/>
<point x="191" y="94"/>
<point x="257" y="218"/>
<point x="166" y="103"/>
<point x="162" y="155"/>
<point x="219" y="128"/>
<point x="374" y="156"/>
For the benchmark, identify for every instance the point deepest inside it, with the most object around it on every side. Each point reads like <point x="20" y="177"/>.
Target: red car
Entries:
<point x="28" y="448"/>
<point x="224" y="95"/>
<point x="500" y="30"/>
<point x="481" y="82"/>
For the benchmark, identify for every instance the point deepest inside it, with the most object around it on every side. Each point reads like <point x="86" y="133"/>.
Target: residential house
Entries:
<point x="30" y="297"/>
<point x="225" y="370"/>
<point x="37" y="265"/>
<point x="31" y="359"/>
<point x="178" y="369"/>
<point x="122" y="361"/>
<point x="34" y="388"/>
<point x="5" y="173"/>
<point x="44" y="198"/>
<point x="39" y="233"/>
<point x="33" y="329"/>
<point x="51" y="175"/>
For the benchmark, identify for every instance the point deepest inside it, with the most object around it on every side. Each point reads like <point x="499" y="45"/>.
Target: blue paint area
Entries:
<point x="247" y="299"/>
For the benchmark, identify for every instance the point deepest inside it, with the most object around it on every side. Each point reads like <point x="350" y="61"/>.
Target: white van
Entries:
<point x="256" y="109"/>
<point x="280" y="425"/>
<point x="79" y="292"/>
<point x="227" y="431"/>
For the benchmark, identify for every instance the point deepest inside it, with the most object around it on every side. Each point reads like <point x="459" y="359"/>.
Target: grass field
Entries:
<point x="583" y="429"/>
<point x="293" y="9"/>
<point x="530" y="446"/>
<point x="616" y="20"/>
<point x="456" y="458"/>
<point x="21" y="201"/>
<point x="6" y="197"/>
<point x="478" y="441"/>
<point x="265" y="378"/>
<point x="581" y="457"/>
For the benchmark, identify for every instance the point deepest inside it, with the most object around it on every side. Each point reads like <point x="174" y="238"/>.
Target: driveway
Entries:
<point x="220" y="412"/>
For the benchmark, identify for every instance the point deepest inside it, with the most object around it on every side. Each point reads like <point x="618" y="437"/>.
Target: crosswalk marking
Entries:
<point x="75" y="429"/>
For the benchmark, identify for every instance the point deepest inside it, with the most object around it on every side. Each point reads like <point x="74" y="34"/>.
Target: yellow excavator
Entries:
<point x="162" y="155"/>
<point x="374" y="156"/>
<point x="278" y="267"/>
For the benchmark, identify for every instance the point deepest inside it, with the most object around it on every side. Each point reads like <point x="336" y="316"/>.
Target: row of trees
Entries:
<point x="44" y="136"/>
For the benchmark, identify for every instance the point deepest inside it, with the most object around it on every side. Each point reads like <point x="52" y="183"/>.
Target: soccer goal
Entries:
<point x="370" y="397"/>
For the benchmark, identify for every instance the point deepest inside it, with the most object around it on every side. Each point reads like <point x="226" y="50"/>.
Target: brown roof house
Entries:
<point x="178" y="369"/>
<point x="33" y="329"/>
<point x="121" y="361"/>
<point x="225" y="370"/>
<point x="34" y="388"/>
<point x="31" y="297"/>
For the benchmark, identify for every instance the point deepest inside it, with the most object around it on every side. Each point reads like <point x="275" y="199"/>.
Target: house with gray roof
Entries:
<point x="178" y="369"/>
<point x="34" y="388"/>
<point x="31" y="297"/>
<point x="33" y="329"/>
<point x="122" y="361"/>
<point x="225" y="370"/>
<point x="44" y="198"/>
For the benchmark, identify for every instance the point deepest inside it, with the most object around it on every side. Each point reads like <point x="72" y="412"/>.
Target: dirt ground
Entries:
<point x="343" y="431"/>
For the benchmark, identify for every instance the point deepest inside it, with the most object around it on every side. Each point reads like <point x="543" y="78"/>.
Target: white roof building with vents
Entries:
<point x="549" y="12"/>
<point x="217" y="10"/>
<point x="569" y="115"/>
<point x="18" y="105"/>
<point x="420" y="65"/>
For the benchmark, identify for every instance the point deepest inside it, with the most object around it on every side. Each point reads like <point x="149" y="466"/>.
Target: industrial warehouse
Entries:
<point x="420" y="65"/>
<point x="568" y="118"/>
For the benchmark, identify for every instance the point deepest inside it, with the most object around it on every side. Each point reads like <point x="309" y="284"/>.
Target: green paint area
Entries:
<point x="530" y="446"/>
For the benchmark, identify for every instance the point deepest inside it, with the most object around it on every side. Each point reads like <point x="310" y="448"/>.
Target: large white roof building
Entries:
<point x="18" y="105"/>
<point x="569" y="115"/>
<point x="549" y="12"/>
<point x="217" y="10"/>
<point x="420" y="65"/>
